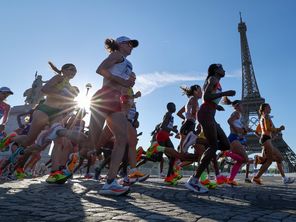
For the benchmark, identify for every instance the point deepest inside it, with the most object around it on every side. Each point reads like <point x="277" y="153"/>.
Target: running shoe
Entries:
<point x="154" y="148"/>
<point x="29" y="174"/>
<point x="126" y="182"/>
<point x="257" y="180"/>
<point x="232" y="182"/>
<point x="71" y="163"/>
<point x="20" y="173"/>
<point x="138" y="176"/>
<point x="194" y="185"/>
<point x="171" y="180"/>
<point x="57" y="177"/>
<point x="205" y="181"/>
<point x="288" y="180"/>
<point x="248" y="180"/>
<point x="220" y="179"/>
<point x="52" y="133"/>
<point x="178" y="172"/>
<point x="208" y="184"/>
<point x="6" y="140"/>
<point x="88" y="176"/>
<point x="203" y="177"/>
<point x="114" y="189"/>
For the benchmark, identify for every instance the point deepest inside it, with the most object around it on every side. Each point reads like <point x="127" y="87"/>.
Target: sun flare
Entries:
<point x="83" y="101"/>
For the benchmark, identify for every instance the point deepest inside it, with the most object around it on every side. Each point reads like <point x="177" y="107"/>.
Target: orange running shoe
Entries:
<point x="138" y="176"/>
<point x="257" y="180"/>
<point x="73" y="158"/>
<point x="232" y="182"/>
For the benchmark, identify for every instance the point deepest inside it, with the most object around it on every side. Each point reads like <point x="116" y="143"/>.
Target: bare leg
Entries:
<point x="268" y="154"/>
<point x="40" y="120"/>
<point x="117" y="123"/>
<point x="277" y="156"/>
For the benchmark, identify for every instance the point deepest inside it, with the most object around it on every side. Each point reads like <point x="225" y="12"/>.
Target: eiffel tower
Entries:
<point x="251" y="100"/>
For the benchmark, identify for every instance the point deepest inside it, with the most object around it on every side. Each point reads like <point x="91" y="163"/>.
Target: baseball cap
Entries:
<point x="6" y="89"/>
<point x="121" y="39"/>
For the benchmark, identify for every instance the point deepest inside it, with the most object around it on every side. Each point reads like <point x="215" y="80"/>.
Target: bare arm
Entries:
<point x="194" y="105"/>
<point x="180" y="113"/>
<point x="110" y="61"/>
<point x="234" y="116"/>
<point x="165" y="122"/>
<point x="6" y="114"/>
<point x="210" y="95"/>
<point x="268" y="125"/>
<point x="49" y="87"/>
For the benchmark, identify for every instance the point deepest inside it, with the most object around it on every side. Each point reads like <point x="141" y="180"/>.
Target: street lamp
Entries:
<point x="88" y="86"/>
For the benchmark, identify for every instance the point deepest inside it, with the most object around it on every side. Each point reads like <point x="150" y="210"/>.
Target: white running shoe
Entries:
<point x="194" y="185"/>
<point x="114" y="189"/>
<point x="52" y="133"/>
<point x="288" y="180"/>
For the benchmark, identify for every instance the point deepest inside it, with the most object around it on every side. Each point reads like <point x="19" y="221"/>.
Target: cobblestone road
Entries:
<point x="78" y="200"/>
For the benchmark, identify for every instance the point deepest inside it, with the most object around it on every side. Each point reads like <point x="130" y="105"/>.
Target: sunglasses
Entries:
<point x="71" y="69"/>
<point x="128" y="43"/>
<point x="5" y="93"/>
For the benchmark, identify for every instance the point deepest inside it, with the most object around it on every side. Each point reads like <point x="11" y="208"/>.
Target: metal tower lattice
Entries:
<point x="251" y="100"/>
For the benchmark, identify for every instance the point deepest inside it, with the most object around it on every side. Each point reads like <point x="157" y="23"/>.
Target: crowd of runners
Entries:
<point x="111" y="137"/>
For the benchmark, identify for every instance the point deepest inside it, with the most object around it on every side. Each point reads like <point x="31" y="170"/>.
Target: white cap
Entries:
<point x="121" y="39"/>
<point x="6" y="89"/>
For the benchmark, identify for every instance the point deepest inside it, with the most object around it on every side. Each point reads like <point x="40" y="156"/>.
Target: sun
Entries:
<point x="83" y="101"/>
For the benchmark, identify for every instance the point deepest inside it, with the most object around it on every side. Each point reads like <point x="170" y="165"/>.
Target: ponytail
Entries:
<point x="54" y="68"/>
<point x="262" y="108"/>
<point x="59" y="71"/>
<point x="227" y="101"/>
<point x="111" y="45"/>
<point x="189" y="91"/>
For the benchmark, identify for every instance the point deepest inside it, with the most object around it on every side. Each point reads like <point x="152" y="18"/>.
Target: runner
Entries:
<point x="163" y="139"/>
<point x="106" y="105"/>
<point x="193" y="93"/>
<point x="237" y="140"/>
<point x="212" y="130"/>
<point x="270" y="152"/>
<point x="59" y="103"/>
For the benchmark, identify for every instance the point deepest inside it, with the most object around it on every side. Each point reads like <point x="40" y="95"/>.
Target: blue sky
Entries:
<point x="178" y="41"/>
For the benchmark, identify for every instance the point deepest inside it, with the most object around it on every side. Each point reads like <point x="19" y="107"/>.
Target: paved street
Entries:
<point x="78" y="200"/>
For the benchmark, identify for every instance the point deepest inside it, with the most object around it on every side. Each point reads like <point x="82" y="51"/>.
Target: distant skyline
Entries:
<point x="178" y="41"/>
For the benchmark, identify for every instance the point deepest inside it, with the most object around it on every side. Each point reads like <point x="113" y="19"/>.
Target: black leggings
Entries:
<point x="214" y="133"/>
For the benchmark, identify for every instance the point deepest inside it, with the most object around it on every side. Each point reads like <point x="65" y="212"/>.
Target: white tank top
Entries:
<point x="123" y="69"/>
<point x="238" y="123"/>
<point x="188" y="111"/>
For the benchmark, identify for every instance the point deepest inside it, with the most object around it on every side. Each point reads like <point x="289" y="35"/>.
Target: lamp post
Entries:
<point x="88" y="86"/>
